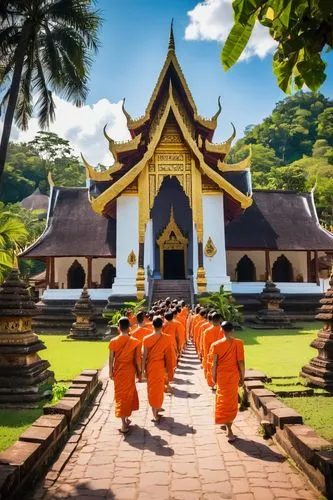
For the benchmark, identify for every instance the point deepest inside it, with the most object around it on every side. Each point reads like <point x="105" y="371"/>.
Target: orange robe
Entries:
<point x="211" y="335"/>
<point x="205" y="324"/>
<point x="126" y="355"/>
<point x="140" y="332"/>
<point x="196" y="329"/>
<point x="159" y="359"/>
<point x="228" y="376"/>
<point x="181" y="332"/>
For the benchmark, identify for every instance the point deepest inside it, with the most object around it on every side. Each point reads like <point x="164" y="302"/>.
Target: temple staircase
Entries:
<point x="175" y="289"/>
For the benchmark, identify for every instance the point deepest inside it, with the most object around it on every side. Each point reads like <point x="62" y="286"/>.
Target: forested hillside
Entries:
<point x="293" y="149"/>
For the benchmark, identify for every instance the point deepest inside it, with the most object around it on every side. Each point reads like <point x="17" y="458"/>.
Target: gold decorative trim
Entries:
<point x="121" y="147"/>
<point x="223" y="148"/>
<point x="93" y="174"/>
<point x="131" y="259"/>
<point x="201" y="280"/>
<point x="172" y="238"/>
<point x="50" y="179"/>
<point x="236" y="167"/>
<point x="113" y="191"/>
<point x="210" y="249"/>
<point x="140" y="284"/>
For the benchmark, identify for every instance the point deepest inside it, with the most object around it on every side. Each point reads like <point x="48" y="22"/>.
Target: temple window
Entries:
<point x="108" y="275"/>
<point x="282" y="271"/>
<point x="245" y="269"/>
<point x="76" y="276"/>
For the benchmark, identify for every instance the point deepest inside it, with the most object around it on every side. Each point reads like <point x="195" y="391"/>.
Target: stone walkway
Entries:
<point x="184" y="458"/>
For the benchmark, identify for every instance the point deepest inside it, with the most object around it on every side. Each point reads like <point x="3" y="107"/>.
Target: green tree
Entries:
<point x="13" y="236"/>
<point x="325" y="125"/>
<point x="288" y="178"/>
<point x="302" y="30"/>
<point x="44" y="46"/>
<point x="263" y="158"/>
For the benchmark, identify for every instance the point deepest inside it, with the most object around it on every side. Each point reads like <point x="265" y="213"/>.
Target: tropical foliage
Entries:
<point x="13" y="236"/>
<point x="224" y="303"/>
<point x="27" y="167"/>
<point x="44" y="46"/>
<point x="293" y="149"/>
<point x="302" y="30"/>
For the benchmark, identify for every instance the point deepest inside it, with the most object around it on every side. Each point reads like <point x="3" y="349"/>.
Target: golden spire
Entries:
<point x="171" y="45"/>
<point x="219" y="109"/>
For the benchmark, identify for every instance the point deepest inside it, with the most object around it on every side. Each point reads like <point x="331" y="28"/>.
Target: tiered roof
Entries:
<point x="171" y="100"/>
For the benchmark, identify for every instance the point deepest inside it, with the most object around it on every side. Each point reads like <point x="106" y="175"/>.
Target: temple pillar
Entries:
<point x="127" y="246"/>
<point x="89" y="272"/>
<point x="140" y="275"/>
<point x="308" y="266"/>
<point x="52" y="272"/>
<point x="212" y="251"/>
<point x="268" y="270"/>
<point x="47" y="271"/>
<point x="317" y="267"/>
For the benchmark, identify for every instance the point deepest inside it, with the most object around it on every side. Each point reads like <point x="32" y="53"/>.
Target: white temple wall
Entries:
<point x="127" y="240"/>
<point x="257" y="257"/>
<point x="297" y="259"/>
<point x="213" y="227"/>
<point x="61" y="267"/>
<point x="97" y="266"/>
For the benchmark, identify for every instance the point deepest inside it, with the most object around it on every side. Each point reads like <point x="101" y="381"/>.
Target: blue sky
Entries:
<point x="134" y="40"/>
<point x="134" y="43"/>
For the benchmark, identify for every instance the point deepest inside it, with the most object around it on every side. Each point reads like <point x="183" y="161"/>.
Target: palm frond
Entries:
<point x="45" y="104"/>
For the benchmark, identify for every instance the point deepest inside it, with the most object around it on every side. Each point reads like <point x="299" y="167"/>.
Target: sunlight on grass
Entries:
<point x="279" y="353"/>
<point x="69" y="357"/>
<point x="13" y="423"/>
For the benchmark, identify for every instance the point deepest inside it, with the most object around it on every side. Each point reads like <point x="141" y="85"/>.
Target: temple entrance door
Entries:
<point x="174" y="264"/>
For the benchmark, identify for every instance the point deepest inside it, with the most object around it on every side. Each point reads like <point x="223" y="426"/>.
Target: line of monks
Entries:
<point x="148" y="348"/>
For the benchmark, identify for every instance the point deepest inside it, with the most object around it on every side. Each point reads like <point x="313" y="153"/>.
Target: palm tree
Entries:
<point x="13" y="236"/>
<point x="45" y="46"/>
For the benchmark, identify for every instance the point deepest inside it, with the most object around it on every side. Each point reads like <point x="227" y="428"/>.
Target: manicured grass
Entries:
<point x="69" y="357"/>
<point x="279" y="353"/>
<point x="317" y="412"/>
<point x="13" y="423"/>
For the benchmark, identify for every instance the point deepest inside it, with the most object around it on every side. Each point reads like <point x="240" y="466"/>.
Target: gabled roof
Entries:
<point x="73" y="229"/>
<point x="279" y="220"/>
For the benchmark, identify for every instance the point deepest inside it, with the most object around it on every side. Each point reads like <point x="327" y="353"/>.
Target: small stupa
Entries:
<point x="84" y="328"/>
<point x="24" y="378"/>
<point x="319" y="372"/>
<point x="272" y="315"/>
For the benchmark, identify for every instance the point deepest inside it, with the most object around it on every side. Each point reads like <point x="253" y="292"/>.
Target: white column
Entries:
<point x="216" y="266"/>
<point x="127" y="240"/>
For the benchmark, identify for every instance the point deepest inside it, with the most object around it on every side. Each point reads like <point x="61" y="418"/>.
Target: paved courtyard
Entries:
<point x="186" y="457"/>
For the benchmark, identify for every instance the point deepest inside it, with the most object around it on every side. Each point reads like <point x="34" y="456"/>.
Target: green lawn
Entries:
<point x="317" y="412"/>
<point x="279" y="353"/>
<point x="67" y="358"/>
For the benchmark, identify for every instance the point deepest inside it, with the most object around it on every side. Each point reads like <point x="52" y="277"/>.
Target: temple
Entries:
<point x="171" y="208"/>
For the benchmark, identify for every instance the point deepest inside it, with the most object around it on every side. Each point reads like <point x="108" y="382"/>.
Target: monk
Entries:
<point x="142" y="329"/>
<point x="211" y="335"/>
<point x="203" y="329"/>
<point x="228" y="371"/>
<point x="124" y="365"/>
<point x="194" y="319"/>
<point x="172" y="328"/>
<point x="181" y="327"/>
<point x="157" y="357"/>
<point x="202" y="318"/>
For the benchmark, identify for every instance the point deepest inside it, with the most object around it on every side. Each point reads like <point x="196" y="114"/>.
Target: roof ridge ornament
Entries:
<point x="219" y="109"/>
<point x="171" y="44"/>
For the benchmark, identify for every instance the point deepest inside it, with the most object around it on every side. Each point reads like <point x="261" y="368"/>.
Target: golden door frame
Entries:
<point x="168" y="242"/>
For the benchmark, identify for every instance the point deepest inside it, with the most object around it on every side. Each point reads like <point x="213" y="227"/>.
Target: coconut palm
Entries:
<point x="13" y="236"/>
<point x="45" y="46"/>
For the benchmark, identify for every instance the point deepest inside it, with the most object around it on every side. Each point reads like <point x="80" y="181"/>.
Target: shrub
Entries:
<point x="224" y="303"/>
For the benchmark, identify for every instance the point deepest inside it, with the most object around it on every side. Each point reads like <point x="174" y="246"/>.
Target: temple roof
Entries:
<point x="73" y="229"/>
<point x="279" y="220"/>
<point x="35" y="201"/>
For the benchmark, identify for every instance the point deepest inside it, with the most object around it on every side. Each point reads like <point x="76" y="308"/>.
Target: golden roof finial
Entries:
<point x="219" y="109"/>
<point x="171" y="45"/>
<point x="128" y="116"/>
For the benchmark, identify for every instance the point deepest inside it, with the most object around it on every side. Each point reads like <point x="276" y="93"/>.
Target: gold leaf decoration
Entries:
<point x="210" y="248"/>
<point x="131" y="259"/>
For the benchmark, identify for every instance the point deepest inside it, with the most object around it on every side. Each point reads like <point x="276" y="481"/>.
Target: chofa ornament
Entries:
<point x="210" y="248"/>
<point x="131" y="259"/>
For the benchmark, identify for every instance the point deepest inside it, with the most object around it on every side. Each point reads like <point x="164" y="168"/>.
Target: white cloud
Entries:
<point x="83" y="127"/>
<point x="213" y="19"/>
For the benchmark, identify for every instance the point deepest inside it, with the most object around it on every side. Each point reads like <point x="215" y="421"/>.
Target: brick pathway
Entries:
<point x="185" y="458"/>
